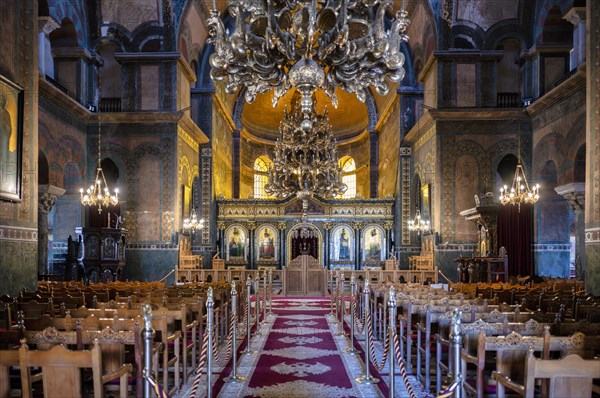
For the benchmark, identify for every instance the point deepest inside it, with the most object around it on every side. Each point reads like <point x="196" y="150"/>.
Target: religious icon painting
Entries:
<point x="342" y="244"/>
<point x="11" y="139"/>
<point x="266" y="241"/>
<point x="373" y="243"/>
<point x="236" y="243"/>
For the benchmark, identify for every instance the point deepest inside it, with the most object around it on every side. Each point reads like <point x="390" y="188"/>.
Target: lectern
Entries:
<point x="102" y="254"/>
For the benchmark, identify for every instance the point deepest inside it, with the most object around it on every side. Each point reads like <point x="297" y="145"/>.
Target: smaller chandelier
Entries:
<point x="193" y="223"/>
<point x="520" y="191"/>
<point x="305" y="161"/>
<point x="418" y="224"/>
<point x="98" y="194"/>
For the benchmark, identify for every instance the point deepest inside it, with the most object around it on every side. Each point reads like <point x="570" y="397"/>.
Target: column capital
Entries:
<point x="358" y="225"/>
<point x="251" y="225"/>
<point x="221" y="225"/>
<point x="574" y="193"/>
<point x="388" y="225"/>
<point x="47" y="24"/>
<point x="575" y="15"/>
<point x="281" y="225"/>
<point x="47" y="195"/>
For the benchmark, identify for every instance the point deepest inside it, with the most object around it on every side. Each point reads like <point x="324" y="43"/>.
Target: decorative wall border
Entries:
<point x="456" y="247"/>
<point x="18" y="233"/>
<point x="152" y="246"/>
<point x="551" y="247"/>
<point x="592" y="235"/>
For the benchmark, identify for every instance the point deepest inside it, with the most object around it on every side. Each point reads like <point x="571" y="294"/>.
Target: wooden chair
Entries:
<point x="61" y="376"/>
<point x="8" y="359"/>
<point x="570" y="376"/>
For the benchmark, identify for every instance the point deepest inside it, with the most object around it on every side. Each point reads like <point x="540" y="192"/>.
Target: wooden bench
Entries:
<point x="61" y="376"/>
<point x="570" y="376"/>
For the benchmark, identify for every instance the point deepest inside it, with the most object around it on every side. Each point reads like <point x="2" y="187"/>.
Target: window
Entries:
<point x="348" y="176"/>
<point x="261" y="167"/>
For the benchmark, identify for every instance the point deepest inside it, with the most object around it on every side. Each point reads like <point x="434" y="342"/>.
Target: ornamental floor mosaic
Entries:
<point x="299" y="355"/>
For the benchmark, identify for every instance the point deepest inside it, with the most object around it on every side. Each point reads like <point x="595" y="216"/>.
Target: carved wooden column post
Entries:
<point x="357" y="228"/>
<point x="327" y="245"/>
<point x="47" y="195"/>
<point x="574" y="193"/>
<point x="251" y="227"/>
<point x="281" y="225"/>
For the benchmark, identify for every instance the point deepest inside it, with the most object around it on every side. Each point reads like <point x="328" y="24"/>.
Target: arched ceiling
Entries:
<point x="261" y="120"/>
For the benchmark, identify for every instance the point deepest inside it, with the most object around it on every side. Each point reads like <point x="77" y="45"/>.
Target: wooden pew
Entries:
<point x="61" y="376"/>
<point x="570" y="376"/>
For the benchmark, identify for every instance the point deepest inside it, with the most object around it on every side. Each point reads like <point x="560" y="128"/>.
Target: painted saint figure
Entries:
<point x="344" y="246"/>
<point x="236" y="244"/>
<point x="267" y="248"/>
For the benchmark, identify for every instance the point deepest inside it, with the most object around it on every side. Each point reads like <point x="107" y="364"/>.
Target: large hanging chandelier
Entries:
<point x="98" y="194"/>
<point x="305" y="158"/>
<point x="193" y="224"/>
<point x="308" y="44"/>
<point x="519" y="191"/>
<point x="418" y="224"/>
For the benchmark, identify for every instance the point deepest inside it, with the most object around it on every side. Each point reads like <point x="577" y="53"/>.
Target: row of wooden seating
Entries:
<point x="179" y="322"/>
<point x="425" y="319"/>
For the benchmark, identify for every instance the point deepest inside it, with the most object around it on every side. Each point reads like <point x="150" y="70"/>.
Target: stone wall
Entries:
<point x="18" y="219"/>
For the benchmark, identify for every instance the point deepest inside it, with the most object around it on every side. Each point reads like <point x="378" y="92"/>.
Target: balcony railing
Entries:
<point x="565" y="77"/>
<point x="508" y="100"/>
<point x="110" y="104"/>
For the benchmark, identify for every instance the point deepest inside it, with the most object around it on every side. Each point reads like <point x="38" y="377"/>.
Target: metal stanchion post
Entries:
<point x="270" y="291"/>
<point x="340" y="304"/>
<point x="350" y="350"/>
<point x="148" y="337"/>
<point x="248" y="351"/>
<point x="257" y="305"/>
<point x="456" y="341"/>
<point x="337" y="290"/>
<point x="367" y="378"/>
<point x="234" y="378"/>
<point x="391" y="332"/>
<point x="209" y="329"/>
<point x="265" y="298"/>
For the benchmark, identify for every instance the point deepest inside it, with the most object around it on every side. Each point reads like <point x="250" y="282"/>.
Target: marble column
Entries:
<point x="574" y="193"/>
<point x="592" y="145"/>
<point x="327" y="244"/>
<point x="281" y="225"/>
<point x="357" y="245"/>
<point x="47" y="195"/>
<point x="576" y="16"/>
<point x="235" y="163"/>
<point x="221" y="229"/>
<point x="45" y="62"/>
<point x="389" y="230"/>
<point x="374" y="163"/>
<point x="251" y="251"/>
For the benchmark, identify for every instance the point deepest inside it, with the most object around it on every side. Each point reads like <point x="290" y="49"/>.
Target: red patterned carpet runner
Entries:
<point x="298" y="356"/>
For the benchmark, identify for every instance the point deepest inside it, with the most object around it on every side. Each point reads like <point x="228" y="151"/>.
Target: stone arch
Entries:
<point x="72" y="11"/>
<point x="548" y="148"/>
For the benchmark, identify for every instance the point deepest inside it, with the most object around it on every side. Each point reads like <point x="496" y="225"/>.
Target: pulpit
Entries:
<point x="102" y="253"/>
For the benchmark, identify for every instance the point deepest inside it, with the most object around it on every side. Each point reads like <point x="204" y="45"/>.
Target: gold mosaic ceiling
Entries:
<point x="261" y="120"/>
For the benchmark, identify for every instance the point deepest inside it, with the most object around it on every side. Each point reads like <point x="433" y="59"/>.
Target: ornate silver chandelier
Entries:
<point x="308" y="44"/>
<point x="305" y="159"/>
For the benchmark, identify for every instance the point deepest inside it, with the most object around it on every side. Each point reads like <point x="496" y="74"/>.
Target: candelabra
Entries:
<point x="308" y="45"/>
<point x="305" y="158"/>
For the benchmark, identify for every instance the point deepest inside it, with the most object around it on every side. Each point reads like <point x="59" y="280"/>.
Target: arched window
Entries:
<point x="348" y="176"/>
<point x="261" y="167"/>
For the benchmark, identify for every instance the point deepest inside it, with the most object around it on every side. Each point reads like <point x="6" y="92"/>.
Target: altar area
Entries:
<point x="351" y="234"/>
